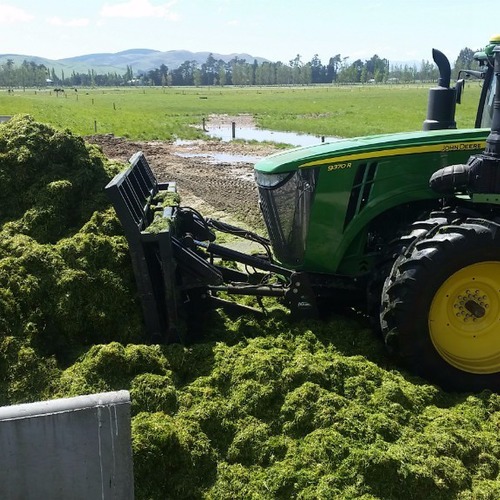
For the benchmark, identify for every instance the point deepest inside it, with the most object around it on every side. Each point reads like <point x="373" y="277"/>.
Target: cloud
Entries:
<point x="10" y="14"/>
<point x="73" y="23"/>
<point x="139" y="8"/>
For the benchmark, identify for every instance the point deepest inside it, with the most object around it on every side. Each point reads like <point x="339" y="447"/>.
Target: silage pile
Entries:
<point x="258" y="409"/>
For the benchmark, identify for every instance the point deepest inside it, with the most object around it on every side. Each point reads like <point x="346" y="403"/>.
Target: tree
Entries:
<point x="428" y="71"/>
<point x="296" y="65"/>
<point x="332" y="68"/>
<point x="364" y="75"/>
<point x="266" y="74"/>
<point x="318" y="71"/>
<point x="184" y="74"/>
<point x="465" y="60"/>
<point x="163" y="74"/>
<point x="208" y="70"/>
<point x="377" y="68"/>
<point x="222" y="75"/>
<point x="351" y="73"/>
<point x="129" y="75"/>
<point x="241" y="72"/>
<point x="197" y="77"/>
<point x="306" y="74"/>
<point x="283" y="74"/>
<point x="8" y="69"/>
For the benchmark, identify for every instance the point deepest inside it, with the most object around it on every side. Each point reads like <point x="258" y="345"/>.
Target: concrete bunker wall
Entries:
<point x="78" y="448"/>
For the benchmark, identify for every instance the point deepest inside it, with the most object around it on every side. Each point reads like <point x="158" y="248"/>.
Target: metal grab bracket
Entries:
<point x="131" y="193"/>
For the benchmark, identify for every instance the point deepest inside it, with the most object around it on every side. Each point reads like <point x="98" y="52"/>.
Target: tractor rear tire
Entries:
<point x="398" y="248"/>
<point x="441" y="306"/>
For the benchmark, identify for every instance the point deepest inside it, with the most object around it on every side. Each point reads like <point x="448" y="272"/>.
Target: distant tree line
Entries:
<point x="28" y="74"/>
<point x="237" y="72"/>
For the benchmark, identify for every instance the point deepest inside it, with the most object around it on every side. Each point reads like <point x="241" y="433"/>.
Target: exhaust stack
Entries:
<point x="442" y="99"/>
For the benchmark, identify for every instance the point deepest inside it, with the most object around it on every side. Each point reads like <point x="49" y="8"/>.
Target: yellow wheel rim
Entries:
<point x="464" y="319"/>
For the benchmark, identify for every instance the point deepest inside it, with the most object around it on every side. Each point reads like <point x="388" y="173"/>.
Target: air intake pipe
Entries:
<point x="442" y="99"/>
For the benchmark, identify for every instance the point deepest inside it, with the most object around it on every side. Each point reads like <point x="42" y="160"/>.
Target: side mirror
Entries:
<point x="465" y="74"/>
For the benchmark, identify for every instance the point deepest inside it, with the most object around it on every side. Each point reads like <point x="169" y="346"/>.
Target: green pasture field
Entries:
<point x="168" y="113"/>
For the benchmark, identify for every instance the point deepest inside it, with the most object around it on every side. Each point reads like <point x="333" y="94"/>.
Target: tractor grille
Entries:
<point x="285" y="201"/>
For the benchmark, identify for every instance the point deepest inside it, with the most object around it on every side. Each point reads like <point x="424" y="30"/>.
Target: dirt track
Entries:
<point x="214" y="177"/>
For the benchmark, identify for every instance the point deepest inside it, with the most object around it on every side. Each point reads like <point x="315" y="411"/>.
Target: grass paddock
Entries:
<point x="149" y="113"/>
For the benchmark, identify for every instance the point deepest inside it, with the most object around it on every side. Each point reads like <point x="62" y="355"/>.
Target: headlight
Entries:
<point x="271" y="181"/>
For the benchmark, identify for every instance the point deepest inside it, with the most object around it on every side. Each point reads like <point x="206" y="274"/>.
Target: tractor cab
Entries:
<point x="443" y="98"/>
<point x="485" y="59"/>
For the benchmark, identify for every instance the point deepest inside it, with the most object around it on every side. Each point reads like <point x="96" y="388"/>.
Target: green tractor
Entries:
<point x="404" y="228"/>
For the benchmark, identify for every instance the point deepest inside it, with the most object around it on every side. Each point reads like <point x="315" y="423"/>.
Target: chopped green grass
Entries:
<point x="294" y="414"/>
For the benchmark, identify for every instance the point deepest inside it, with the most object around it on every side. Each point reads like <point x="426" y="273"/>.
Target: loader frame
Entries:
<point x="179" y="269"/>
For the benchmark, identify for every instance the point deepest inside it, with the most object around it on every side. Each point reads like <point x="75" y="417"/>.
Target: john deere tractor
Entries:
<point x="404" y="228"/>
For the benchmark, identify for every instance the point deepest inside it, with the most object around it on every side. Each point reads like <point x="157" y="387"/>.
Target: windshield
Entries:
<point x="486" y="103"/>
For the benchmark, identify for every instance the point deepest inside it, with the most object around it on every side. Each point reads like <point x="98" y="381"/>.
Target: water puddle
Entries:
<point x="256" y="134"/>
<point x="221" y="157"/>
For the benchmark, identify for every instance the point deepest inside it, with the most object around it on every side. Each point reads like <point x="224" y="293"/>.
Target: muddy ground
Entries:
<point x="215" y="177"/>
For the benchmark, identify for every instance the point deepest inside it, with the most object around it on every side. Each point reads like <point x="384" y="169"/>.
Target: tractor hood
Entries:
<point x="337" y="188"/>
<point x="371" y="147"/>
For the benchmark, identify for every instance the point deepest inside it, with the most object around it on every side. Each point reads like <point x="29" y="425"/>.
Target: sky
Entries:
<point x="278" y="30"/>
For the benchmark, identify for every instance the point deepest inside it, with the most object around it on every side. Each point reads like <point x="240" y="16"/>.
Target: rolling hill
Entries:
<point x="141" y="60"/>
